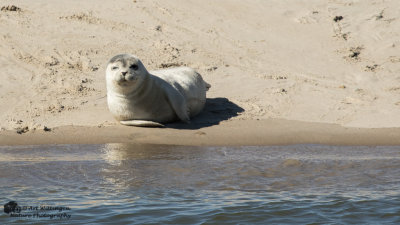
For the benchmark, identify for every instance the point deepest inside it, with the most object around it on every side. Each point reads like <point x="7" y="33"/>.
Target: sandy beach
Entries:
<point x="282" y="72"/>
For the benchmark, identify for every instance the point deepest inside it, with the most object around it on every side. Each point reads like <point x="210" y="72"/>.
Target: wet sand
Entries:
<point x="234" y="133"/>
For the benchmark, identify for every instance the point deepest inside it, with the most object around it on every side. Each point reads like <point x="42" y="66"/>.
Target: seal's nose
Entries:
<point x="123" y="73"/>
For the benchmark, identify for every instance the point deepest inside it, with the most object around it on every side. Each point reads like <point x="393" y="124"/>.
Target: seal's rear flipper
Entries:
<point x="208" y="86"/>
<point x="141" y="123"/>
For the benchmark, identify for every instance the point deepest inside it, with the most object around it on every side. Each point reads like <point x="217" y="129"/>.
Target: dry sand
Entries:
<point x="279" y="69"/>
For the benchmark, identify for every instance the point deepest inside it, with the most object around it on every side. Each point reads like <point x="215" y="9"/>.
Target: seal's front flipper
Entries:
<point x="141" y="123"/>
<point x="178" y="103"/>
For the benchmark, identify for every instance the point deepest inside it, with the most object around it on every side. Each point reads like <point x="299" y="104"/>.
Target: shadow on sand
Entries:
<point x="215" y="111"/>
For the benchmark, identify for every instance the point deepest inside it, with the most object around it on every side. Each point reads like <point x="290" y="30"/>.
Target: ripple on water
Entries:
<point x="128" y="184"/>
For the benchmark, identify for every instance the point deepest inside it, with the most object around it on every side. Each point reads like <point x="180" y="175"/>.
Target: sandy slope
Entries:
<point x="270" y="58"/>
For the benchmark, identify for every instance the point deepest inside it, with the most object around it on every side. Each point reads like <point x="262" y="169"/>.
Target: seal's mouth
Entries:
<point x="122" y="82"/>
<point x="126" y="79"/>
<point x="126" y="82"/>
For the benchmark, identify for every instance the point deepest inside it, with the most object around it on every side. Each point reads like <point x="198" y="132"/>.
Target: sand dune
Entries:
<point x="334" y="61"/>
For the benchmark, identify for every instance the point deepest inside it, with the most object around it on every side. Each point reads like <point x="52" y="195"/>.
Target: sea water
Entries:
<point x="158" y="184"/>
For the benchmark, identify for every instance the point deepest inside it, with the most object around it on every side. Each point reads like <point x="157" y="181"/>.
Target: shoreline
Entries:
<point x="229" y="133"/>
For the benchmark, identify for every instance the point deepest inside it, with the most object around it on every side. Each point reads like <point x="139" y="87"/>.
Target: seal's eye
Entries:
<point x="114" y="68"/>
<point x="134" y="67"/>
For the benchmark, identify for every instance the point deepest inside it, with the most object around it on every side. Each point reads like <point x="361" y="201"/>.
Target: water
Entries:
<point x="153" y="184"/>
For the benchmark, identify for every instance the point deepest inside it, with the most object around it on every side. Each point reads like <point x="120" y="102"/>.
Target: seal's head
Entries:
<point x="125" y="73"/>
